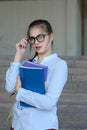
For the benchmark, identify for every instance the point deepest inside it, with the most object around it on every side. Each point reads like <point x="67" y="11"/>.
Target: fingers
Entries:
<point x="20" y="49"/>
<point x="23" y="43"/>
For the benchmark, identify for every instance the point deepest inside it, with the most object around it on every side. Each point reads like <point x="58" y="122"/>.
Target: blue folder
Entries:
<point x="32" y="78"/>
<point x="36" y="65"/>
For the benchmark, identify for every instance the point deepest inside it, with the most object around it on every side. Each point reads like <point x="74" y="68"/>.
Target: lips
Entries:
<point x="38" y="47"/>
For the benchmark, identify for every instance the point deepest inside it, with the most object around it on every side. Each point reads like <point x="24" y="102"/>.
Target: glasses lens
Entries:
<point x="41" y="38"/>
<point x="31" y="40"/>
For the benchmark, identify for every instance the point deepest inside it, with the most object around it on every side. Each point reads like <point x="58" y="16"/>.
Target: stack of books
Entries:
<point x="33" y="77"/>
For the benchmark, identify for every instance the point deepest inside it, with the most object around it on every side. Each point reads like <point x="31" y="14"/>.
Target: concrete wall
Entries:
<point x="64" y="15"/>
<point x="85" y="27"/>
<point x="85" y="36"/>
<point x="74" y="27"/>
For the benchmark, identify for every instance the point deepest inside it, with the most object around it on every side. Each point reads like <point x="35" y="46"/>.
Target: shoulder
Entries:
<point x="61" y="63"/>
<point x="60" y="60"/>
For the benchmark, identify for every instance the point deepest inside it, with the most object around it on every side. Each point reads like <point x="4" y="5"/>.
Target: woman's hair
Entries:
<point x="43" y="24"/>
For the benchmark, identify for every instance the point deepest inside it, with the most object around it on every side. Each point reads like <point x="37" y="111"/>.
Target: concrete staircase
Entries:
<point x="72" y="106"/>
<point x="5" y="100"/>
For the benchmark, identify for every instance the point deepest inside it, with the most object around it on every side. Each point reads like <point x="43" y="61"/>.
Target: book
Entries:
<point x="36" y="65"/>
<point x="33" y="79"/>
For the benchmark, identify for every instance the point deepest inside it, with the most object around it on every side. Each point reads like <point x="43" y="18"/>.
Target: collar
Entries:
<point x="46" y="59"/>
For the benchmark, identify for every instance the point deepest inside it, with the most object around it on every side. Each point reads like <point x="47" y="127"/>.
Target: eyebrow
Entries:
<point x="38" y="35"/>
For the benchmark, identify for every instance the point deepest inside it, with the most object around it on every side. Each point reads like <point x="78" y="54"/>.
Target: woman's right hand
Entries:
<point x="20" y="49"/>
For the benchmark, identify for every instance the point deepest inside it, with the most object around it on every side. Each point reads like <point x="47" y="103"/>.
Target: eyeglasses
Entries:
<point x="39" y="38"/>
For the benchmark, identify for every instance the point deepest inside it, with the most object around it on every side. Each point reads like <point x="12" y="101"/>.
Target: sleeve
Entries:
<point x="55" y="87"/>
<point x="11" y="76"/>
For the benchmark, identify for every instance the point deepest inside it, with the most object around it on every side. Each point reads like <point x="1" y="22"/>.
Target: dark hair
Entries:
<point x="44" y="24"/>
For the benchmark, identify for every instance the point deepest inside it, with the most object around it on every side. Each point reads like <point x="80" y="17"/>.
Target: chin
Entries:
<point x="40" y="52"/>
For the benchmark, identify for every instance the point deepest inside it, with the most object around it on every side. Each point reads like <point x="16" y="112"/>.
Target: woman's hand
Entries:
<point x="20" y="49"/>
<point x="18" y="84"/>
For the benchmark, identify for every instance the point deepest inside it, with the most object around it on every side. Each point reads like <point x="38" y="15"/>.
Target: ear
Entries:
<point x="51" y="37"/>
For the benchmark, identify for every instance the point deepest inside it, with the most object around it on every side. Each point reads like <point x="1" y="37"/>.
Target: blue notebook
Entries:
<point x="32" y="78"/>
<point x="36" y="65"/>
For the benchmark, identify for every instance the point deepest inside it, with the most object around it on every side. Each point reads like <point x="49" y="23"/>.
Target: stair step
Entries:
<point x="73" y="98"/>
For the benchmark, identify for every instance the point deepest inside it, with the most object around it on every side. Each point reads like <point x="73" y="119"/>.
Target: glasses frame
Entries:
<point x="37" y="38"/>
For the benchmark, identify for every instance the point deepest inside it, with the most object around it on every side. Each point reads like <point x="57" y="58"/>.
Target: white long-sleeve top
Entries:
<point x="44" y="115"/>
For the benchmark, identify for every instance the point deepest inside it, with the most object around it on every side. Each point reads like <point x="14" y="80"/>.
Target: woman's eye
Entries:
<point x="40" y="37"/>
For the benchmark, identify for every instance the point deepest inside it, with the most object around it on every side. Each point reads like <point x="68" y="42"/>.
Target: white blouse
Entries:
<point x="44" y="115"/>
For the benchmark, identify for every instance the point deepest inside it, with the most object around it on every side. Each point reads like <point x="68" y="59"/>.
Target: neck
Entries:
<point x="42" y="56"/>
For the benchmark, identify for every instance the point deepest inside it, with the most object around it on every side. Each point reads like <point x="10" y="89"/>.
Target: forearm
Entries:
<point x="17" y="57"/>
<point x="13" y="70"/>
<point x="11" y="76"/>
<point x="53" y="92"/>
<point x="44" y="102"/>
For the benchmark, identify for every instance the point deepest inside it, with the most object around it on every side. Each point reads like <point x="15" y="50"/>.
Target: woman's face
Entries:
<point x="41" y="40"/>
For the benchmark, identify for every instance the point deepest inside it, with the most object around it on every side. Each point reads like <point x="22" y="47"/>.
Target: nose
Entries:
<point x="36" y="42"/>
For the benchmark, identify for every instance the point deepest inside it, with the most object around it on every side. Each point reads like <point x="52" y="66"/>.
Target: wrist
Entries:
<point x="17" y="57"/>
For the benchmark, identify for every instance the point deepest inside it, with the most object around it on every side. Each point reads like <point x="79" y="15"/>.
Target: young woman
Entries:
<point x="43" y="116"/>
